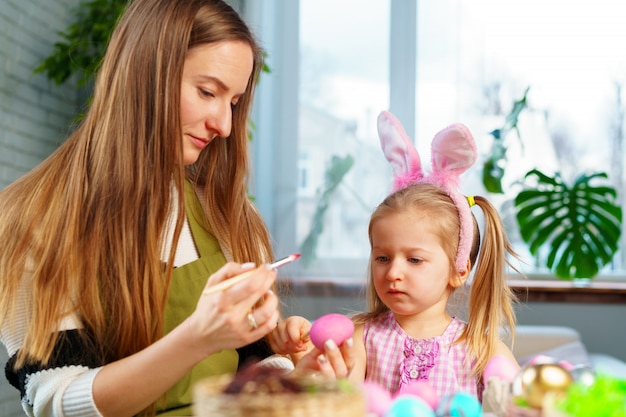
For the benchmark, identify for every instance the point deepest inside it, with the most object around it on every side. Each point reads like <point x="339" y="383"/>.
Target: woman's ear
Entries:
<point x="459" y="279"/>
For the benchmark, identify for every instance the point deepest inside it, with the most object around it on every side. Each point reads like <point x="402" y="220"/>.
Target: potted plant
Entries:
<point x="579" y="225"/>
<point x="495" y="164"/>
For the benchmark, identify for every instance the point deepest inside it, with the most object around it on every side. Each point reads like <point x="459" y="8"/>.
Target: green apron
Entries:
<point x="187" y="284"/>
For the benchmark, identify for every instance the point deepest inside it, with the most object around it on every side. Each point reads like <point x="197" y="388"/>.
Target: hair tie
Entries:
<point x="470" y="200"/>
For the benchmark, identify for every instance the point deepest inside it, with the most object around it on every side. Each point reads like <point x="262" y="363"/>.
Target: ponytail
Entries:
<point x="491" y="299"/>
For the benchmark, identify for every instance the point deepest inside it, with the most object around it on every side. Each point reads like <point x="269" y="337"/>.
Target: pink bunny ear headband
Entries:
<point x="453" y="152"/>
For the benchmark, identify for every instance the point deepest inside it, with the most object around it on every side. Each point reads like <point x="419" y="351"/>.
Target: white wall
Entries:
<point x="35" y="114"/>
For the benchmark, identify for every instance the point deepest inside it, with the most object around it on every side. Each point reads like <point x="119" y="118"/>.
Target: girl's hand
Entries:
<point x="333" y="362"/>
<point x="236" y="316"/>
<point x="290" y="336"/>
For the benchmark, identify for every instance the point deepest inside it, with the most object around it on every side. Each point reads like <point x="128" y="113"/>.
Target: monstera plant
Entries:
<point x="579" y="225"/>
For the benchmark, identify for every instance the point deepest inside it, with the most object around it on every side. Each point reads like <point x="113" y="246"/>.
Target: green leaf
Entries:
<point x="83" y="42"/>
<point x="513" y="116"/>
<point x="492" y="176"/>
<point x="495" y="165"/>
<point x="335" y="173"/>
<point x="578" y="225"/>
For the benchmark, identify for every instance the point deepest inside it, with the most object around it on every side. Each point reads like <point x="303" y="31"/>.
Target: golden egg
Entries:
<point x="540" y="379"/>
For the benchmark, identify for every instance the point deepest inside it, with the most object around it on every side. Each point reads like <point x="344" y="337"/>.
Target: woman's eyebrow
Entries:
<point x="210" y="78"/>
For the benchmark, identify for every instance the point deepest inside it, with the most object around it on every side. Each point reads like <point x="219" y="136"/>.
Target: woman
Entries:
<point x="109" y="242"/>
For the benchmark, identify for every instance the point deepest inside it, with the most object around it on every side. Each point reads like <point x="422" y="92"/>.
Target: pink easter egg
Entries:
<point x="337" y="327"/>
<point x="501" y="367"/>
<point x="423" y="390"/>
<point x="539" y="359"/>
<point x="377" y="399"/>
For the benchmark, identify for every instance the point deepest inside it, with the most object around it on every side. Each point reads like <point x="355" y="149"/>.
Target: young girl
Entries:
<point x="424" y="243"/>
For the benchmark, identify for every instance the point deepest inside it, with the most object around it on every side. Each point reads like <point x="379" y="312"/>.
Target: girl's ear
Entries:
<point x="461" y="276"/>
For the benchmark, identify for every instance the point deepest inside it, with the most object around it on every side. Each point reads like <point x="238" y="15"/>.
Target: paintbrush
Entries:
<point x="238" y="278"/>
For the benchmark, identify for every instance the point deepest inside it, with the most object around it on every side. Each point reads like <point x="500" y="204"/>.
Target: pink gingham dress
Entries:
<point x="395" y="359"/>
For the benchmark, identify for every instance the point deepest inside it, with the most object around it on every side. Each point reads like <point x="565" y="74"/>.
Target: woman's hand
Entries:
<point x="236" y="316"/>
<point x="290" y="337"/>
<point x="224" y="319"/>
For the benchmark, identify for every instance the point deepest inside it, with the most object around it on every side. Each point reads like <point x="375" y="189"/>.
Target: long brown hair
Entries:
<point x="87" y="225"/>
<point x="491" y="299"/>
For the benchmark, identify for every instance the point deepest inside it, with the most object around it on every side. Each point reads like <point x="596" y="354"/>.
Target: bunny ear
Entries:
<point x="399" y="151"/>
<point x="453" y="152"/>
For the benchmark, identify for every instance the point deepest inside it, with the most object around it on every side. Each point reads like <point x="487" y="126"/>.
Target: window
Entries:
<point x="476" y="57"/>
<point x="305" y="188"/>
<point x="343" y="85"/>
<point x="336" y="65"/>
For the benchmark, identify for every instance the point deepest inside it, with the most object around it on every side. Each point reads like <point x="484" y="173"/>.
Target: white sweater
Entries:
<point x="66" y="388"/>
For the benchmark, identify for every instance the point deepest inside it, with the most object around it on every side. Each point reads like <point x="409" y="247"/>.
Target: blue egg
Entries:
<point x="459" y="405"/>
<point x="409" y="406"/>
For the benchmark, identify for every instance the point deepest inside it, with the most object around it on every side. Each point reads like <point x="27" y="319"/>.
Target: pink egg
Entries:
<point x="539" y="359"/>
<point x="567" y="365"/>
<point x="377" y="399"/>
<point x="423" y="390"/>
<point x="502" y="367"/>
<point x="337" y="327"/>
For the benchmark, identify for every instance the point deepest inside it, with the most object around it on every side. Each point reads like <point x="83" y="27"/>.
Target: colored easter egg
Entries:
<point x="409" y="406"/>
<point x="460" y="404"/>
<point x="501" y="367"/>
<point x="539" y="379"/>
<point x="583" y="375"/>
<point x="567" y="365"/>
<point x="377" y="399"/>
<point x="423" y="390"/>
<point x="333" y="326"/>
<point x="538" y="359"/>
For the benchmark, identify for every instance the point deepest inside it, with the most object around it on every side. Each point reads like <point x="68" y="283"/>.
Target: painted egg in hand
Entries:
<point x="334" y="326"/>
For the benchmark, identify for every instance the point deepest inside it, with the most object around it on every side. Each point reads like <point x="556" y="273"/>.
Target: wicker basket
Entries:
<point x="517" y="411"/>
<point x="210" y="401"/>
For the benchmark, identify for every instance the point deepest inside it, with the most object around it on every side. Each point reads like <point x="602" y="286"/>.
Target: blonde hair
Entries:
<point x="491" y="299"/>
<point x="90" y="221"/>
